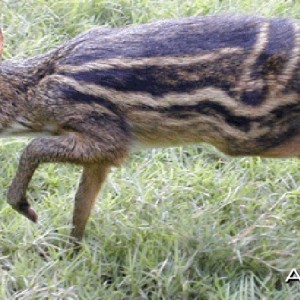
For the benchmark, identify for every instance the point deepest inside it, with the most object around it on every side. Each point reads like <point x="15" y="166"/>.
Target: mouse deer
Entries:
<point x="229" y="81"/>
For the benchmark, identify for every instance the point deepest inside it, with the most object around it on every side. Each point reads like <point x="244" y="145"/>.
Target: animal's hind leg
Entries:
<point x="92" y="178"/>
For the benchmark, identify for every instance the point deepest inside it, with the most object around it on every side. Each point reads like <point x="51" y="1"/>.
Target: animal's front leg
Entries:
<point x="72" y="148"/>
<point x="17" y="191"/>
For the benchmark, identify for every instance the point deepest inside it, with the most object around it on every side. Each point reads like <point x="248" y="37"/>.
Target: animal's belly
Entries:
<point x="265" y="137"/>
<point x="290" y="148"/>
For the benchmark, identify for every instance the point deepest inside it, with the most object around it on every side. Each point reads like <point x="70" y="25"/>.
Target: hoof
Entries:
<point x="27" y="211"/>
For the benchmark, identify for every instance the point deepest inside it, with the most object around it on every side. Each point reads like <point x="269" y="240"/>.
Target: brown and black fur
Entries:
<point x="230" y="81"/>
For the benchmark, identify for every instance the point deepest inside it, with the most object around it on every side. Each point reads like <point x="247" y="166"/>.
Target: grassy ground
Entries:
<point x="182" y="223"/>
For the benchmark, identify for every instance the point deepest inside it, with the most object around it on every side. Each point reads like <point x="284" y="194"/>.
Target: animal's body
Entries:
<point x="230" y="81"/>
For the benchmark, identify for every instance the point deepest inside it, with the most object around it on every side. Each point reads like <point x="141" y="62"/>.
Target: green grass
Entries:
<point x="180" y="223"/>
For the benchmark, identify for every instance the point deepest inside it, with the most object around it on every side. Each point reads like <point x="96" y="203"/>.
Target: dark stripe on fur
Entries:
<point x="255" y="97"/>
<point x="281" y="41"/>
<point x="205" y="107"/>
<point x="72" y="94"/>
<point x="159" y="81"/>
<point x="280" y="116"/>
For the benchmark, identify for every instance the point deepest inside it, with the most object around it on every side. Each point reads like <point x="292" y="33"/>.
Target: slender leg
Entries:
<point x="94" y="155"/>
<point x="90" y="184"/>
<point x="17" y="191"/>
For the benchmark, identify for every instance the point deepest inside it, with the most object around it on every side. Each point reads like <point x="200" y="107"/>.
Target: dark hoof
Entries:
<point x="27" y="211"/>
